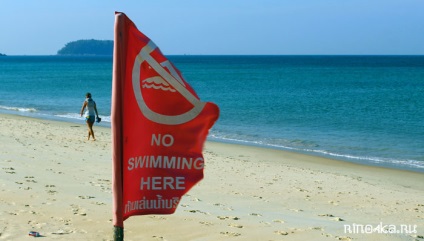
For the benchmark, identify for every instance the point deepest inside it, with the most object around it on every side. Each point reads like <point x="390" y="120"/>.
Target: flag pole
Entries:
<point x="116" y="126"/>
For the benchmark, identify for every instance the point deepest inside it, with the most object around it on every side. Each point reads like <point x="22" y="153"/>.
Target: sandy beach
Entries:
<point x="55" y="182"/>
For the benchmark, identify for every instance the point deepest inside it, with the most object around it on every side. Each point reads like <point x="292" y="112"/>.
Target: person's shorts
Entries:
<point x="90" y="118"/>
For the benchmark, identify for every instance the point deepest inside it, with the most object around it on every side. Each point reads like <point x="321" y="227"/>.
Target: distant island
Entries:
<point x="89" y="47"/>
<point x="2" y="54"/>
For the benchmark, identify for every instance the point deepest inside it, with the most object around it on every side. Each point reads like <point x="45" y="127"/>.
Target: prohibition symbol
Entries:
<point x="170" y="82"/>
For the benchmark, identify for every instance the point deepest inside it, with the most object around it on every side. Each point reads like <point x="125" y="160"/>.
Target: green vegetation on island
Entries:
<point x="87" y="47"/>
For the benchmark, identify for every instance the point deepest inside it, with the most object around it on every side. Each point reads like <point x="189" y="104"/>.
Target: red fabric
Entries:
<point x="164" y="126"/>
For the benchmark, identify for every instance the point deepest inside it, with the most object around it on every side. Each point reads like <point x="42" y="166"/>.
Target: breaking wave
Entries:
<point x="21" y="109"/>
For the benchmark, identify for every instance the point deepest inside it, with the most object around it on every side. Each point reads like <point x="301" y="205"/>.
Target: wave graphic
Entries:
<point x="21" y="109"/>
<point x="157" y="83"/>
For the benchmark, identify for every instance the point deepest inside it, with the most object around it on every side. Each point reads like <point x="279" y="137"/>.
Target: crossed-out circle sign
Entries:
<point x="166" y="82"/>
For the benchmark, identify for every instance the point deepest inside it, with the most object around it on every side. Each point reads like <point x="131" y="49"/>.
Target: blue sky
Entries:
<point x="221" y="26"/>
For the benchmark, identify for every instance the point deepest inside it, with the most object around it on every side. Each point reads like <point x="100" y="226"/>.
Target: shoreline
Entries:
<point x="55" y="182"/>
<point x="233" y="142"/>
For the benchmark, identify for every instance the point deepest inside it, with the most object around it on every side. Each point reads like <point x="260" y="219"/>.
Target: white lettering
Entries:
<point x="145" y="183"/>
<point x="167" y="182"/>
<point x="162" y="183"/>
<point x="130" y="163"/>
<point x="156" y="183"/>
<point x="156" y="140"/>
<point x="165" y="162"/>
<point x="167" y="140"/>
<point x="180" y="183"/>
<point x="347" y="228"/>
<point x="169" y="162"/>
<point x="380" y="228"/>
<point x="168" y="143"/>
<point x="155" y="163"/>
<point x="198" y="163"/>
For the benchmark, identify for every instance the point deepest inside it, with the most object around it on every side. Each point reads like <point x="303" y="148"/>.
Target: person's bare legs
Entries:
<point x="90" y="130"/>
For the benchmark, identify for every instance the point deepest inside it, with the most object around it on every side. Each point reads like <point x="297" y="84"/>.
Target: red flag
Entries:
<point x="159" y="126"/>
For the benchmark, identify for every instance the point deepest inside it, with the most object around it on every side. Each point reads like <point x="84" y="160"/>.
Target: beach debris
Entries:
<point x="34" y="234"/>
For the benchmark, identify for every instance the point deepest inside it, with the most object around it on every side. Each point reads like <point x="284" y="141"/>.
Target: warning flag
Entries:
<point x="159" y="126"/>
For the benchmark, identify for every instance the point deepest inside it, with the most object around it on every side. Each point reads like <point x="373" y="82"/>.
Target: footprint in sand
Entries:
<point x="231" y="234"/>
<point x="62" y="232"/>
<point x="197" y="211"/>
<point x="51" y="192"/>
<point x="9" y="170"/>
<point x="86" y="197"/>
<point x="158" y="238"/>
<point x="30" y="179"/>
<point x="228" y="218"/>
<point x="158" y="217"/>
<point x="255" y="214"/>
<point x="76" y="210"/>
<point x="104" y="185"/>
<point x="206" y="223"/>
<point x="234" y="225"/>
<point x="296" y="210"/>
<point x="281" y="232"/>
<point x="343" y="238"/>
<point x="66" y="222"/>
<point x="332" y="217"/>
<point x="223" y="207"/>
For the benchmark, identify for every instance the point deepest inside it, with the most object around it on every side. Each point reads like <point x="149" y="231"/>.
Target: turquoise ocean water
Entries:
<point x="365" y="109"/>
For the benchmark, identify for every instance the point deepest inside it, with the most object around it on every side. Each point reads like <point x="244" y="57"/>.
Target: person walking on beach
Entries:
<point x="90" y="114"/>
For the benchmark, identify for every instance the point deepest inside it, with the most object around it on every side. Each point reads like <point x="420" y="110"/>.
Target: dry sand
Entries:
<point x="55" y="182"/>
